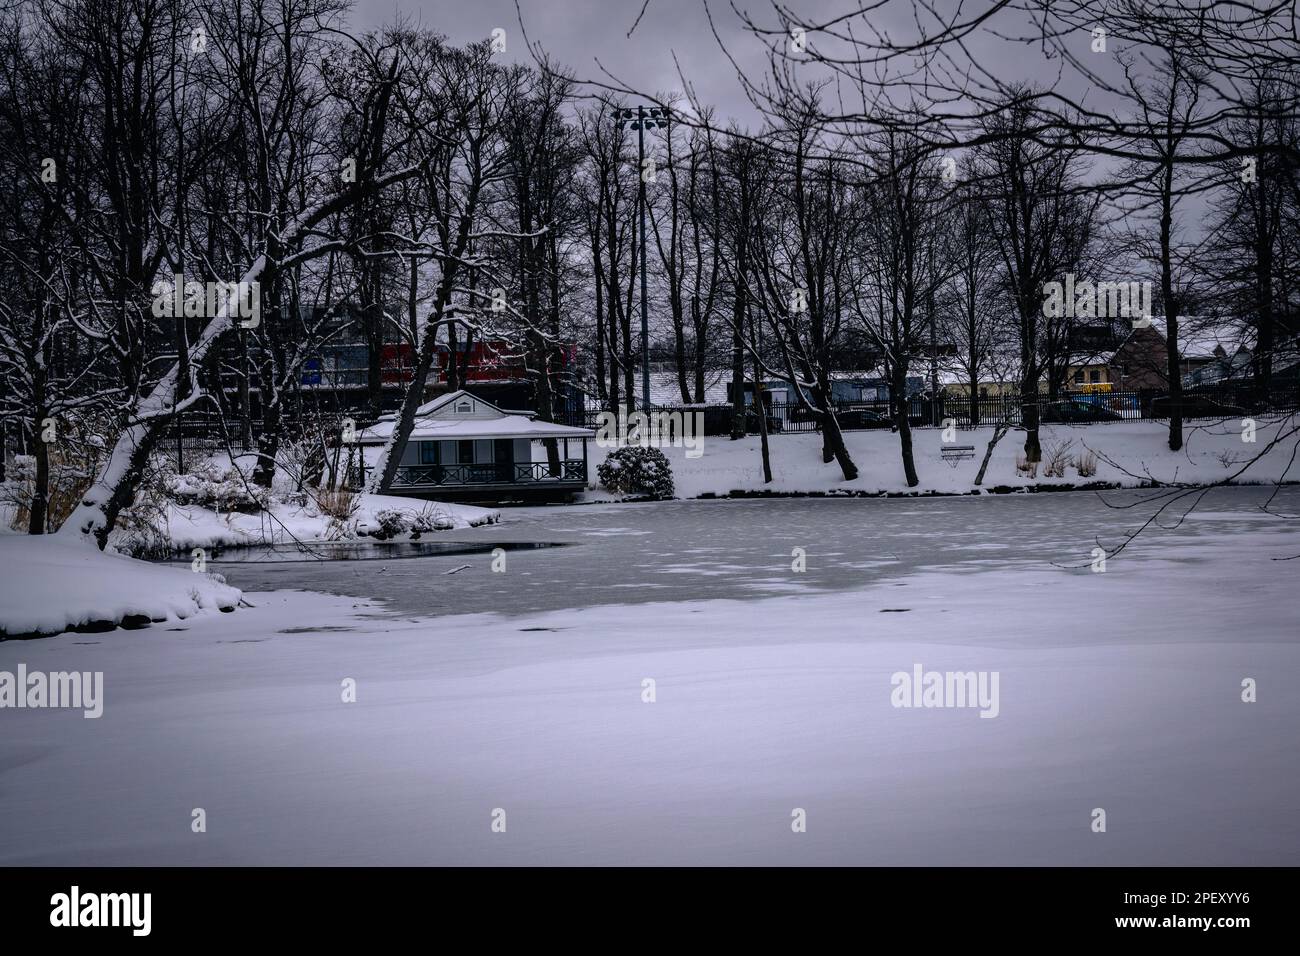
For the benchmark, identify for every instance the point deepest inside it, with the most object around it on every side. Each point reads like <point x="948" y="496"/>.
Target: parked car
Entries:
<point x="1194" y="406"/>
<point x="862" y="418"/>
<point x="1074" y="412"/>
<point x="846" y="417"/>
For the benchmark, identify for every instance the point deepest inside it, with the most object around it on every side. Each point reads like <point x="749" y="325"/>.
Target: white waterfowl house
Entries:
<point x="465" y="447"/>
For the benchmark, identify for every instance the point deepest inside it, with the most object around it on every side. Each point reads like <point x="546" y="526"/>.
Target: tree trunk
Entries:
<point x="373" y="324"/>
<point x="760" y="408"/>
<point x="679" y="359"/>
<point x="1263" y="300"/>
<point x="1029" y="417"/>
<point x="999" y="430"/>
<point x="831" y="428"/>
<point x="268" y="445"/>
<point x="39" y="507"/>
<point x="738" y="371"/>
<point x="899" y="388"/>
<point x="699" y="371"/>
<point x="601" y="390"/>
<point x="1171" y="313"/>
<point x="824" y="386"/>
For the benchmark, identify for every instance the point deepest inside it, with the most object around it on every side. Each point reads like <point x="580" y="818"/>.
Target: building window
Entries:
<point x="1078" y="377"/>
<point x="428" y="453"/>
<point x="1094" y="376"/>
<point x="465" y="452"/>
<point x="464" y="408"/>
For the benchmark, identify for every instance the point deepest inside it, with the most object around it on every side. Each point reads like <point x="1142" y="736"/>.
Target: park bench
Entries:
<point x="952" y="454"/>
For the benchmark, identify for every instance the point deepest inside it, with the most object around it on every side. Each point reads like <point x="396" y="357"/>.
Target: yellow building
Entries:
<point x="987" y="389"/>
<point x="1089" y="377"/>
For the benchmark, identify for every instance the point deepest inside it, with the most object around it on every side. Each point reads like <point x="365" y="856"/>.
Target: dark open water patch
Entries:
<point x="362" y="551"/>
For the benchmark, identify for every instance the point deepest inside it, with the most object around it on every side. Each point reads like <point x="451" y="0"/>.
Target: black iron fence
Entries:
<point x="1072" y="407"/>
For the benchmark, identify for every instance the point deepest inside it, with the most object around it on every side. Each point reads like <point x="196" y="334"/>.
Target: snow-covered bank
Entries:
<point x="1128" y="454"/>
<point x="193" y="526"/>
<point x="1119" y="691"/>
<point x="49" y="583"/>
<point x="52" y="583"/>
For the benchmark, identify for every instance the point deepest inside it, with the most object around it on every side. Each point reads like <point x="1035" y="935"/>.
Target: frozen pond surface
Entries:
<point x="689" y="550"/>
<point x="773" y="694"/>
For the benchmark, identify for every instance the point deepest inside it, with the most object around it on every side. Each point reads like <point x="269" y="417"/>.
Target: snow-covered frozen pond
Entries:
<point x="520" y="698"/>
<point x="689" y="550"/>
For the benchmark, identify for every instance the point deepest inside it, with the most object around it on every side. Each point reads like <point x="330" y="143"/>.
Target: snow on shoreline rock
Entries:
<point x="52" y="584"/>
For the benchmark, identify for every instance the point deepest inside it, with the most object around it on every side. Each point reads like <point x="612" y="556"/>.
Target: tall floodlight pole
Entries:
<point x="934" y="363"/>
<point x="641" y="119"/>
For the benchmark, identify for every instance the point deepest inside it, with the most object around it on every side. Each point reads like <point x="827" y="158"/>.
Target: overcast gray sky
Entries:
<point x="578" y="33"/>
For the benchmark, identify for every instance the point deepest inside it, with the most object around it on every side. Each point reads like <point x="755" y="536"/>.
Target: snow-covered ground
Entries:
<point x="49" y="583"/>
<point x="1128" y="454"/>
<point x="1119" y="690"/>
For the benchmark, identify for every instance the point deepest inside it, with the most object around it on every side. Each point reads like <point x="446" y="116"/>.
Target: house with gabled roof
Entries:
<point x="463" y="447"/>
<point x="1140" y="361"/>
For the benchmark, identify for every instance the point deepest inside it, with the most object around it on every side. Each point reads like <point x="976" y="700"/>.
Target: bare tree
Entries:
<point x="974" y="320"/>
<point x="282" y="237"/>
<point x="1039" y="220"/>
<point x="797" y="263"/>
<point x="905" y="204"/>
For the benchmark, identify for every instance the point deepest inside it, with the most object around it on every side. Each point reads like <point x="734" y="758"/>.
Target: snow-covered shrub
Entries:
<point x="1057" y="459"/>
<point x="432" y="518"/>
<point x="302" y="462"/>
<point x="210" y="486"/>
<point x="341" y="504"/>
<point x="341" y="507"/>
<point x="1025" y="467"/>
<point x="390" y="523"/>
<point x="637" y="471"/>
<point x="1086" y="463"/>
<point x="1227" y="458"/>
<point x="395" y="522"/>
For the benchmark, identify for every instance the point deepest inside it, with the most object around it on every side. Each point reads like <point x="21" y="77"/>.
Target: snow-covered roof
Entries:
<point x="958" y="376"/>
<point x="461" y="415"/>
<point x="665" y="392"/>
<point x="1201" y="338"/>
<point x="508" y="426"/>
<point x="856" y="375"/>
